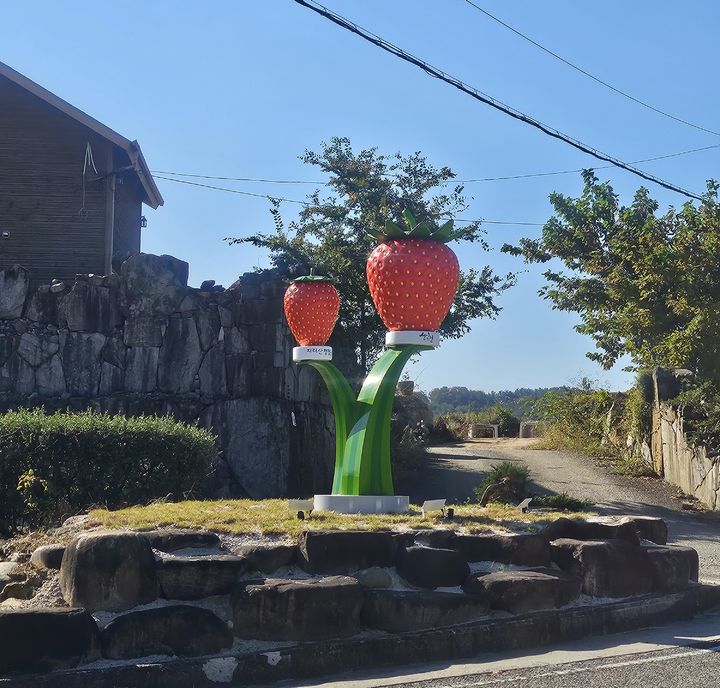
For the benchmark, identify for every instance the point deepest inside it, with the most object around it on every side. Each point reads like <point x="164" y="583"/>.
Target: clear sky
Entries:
<point x="241" y="88"/>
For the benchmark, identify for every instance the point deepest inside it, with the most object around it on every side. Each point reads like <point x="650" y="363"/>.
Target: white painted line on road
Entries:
<point x="596" y="667"/>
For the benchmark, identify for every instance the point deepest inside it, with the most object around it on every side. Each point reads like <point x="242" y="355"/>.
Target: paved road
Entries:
<point x="456" y="470"/>
<point x="685" y="654"/>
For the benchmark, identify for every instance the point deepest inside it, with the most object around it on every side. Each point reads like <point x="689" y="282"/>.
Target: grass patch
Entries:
<point x="272" y="517"/>
<point x="634" y="466"/>
<point x="561" y="502"/>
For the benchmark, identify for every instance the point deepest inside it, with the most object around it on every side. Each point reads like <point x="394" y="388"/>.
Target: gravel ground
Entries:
<point x="454" y="471"/>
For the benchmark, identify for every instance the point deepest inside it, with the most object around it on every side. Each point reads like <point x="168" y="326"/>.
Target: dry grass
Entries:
<point x="272" y="516"/>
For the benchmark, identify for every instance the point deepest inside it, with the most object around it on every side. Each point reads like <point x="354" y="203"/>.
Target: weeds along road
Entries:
<point x="454" y="471"/>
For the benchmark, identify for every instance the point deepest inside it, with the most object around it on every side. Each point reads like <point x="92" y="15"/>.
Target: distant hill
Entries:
<point x="444" y="399"/>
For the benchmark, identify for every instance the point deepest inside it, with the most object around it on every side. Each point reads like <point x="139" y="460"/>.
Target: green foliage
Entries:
<point x="643" y="284"/>
<point x="561" y="502"/>
<point x="52" y="466"/>
<point x="459" y="423"/>
<point x="520" y="401"/>
<point x="369" y="189"/>
<point x="577" y="420"/>
<point x="516" y="477"/>
<point x="599" y="423"/>
<point x="700" y="407"/>
<point x="410" y="453"/>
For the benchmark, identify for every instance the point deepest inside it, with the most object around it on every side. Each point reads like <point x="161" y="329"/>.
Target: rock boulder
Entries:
<point x="608" y="568"/>
<point x="14" y="284"/>
<point x="268" y="558"/>
<point x="192" y="578"/>
<point x="429" y="567"/>
<point x="344" y="551"/>
<point x="520" y="592"/>
<point x="46" y="639"/>
<point x="172" y="539"/>
<point x="48" y="557"/>
<point x="109" y="571"/>
<point x="180" y="630"/>
<point x="317" y="609"/>
<point x="576" y="529"/>
<point x="525" y="549"/>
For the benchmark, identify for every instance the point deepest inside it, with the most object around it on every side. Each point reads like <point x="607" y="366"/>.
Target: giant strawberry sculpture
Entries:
<point x="311" y="306"/>
<point x="413" y="275"/>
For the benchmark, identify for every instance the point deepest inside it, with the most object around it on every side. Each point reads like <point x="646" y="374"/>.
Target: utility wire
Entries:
<point x="484" y="98"/>
<point x="240" y="179"/>
<point x="292" y="200"/>
<point x="453" y="181"/>
<point x="235" y="191"/>
<point x="620" y="92"/>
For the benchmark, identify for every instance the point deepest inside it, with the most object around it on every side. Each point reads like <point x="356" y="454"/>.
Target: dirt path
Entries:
<point x="454" y="471"/>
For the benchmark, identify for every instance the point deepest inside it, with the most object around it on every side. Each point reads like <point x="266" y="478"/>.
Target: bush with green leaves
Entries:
<point x="512" y="479"/>
<point x="53" y="466"/>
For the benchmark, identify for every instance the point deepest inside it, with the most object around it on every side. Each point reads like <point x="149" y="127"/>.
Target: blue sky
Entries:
<point x="242" y="88"/>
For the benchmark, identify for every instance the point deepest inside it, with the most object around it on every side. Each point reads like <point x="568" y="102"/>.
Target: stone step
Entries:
<point x="192" y="577"/>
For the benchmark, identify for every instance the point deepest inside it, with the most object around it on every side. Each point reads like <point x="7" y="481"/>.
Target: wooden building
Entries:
<point x="71" y="189"/>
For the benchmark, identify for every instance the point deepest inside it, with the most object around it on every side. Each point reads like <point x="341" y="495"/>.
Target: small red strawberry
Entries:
<point x="413" y="275"/>
<point x="311" y="308"/>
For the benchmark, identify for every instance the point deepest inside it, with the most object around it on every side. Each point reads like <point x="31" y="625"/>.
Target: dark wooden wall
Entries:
<point x="128" y="213"/>
<point x="41" y="191"/>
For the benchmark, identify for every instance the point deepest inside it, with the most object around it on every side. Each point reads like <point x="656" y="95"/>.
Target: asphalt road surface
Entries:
<point x="685" y="655"/>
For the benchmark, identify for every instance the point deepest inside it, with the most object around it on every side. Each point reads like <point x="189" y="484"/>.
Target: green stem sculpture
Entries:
<point x="362" y="425"/>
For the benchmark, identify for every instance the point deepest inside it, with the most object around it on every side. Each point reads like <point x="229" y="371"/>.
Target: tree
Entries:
<point x="367" y="189"/>
<point x="643" y="284"/>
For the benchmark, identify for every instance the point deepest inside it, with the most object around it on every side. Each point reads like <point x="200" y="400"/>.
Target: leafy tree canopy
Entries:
<point x="642" y="283"/>
<point x="366" y="189"/>
<point x="461" y="399"/>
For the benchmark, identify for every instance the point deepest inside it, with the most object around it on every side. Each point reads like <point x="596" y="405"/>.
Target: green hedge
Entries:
<point x="53" y="466"/>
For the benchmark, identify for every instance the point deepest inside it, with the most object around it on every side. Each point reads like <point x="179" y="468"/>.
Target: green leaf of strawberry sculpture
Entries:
<point x="311" y="305"/>
<point x="413" y="275"/>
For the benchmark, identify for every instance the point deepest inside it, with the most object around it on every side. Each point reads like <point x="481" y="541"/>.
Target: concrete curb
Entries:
<point x="304" y="660"/>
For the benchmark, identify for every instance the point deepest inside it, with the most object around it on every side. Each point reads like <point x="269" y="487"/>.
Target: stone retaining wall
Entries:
<point x="688" y="467"/>
<point x="142" y="342"/>
<point x="133" y="595"/>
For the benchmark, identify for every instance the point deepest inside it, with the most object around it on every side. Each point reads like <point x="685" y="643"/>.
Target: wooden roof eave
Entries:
<point x="153" y="197"/>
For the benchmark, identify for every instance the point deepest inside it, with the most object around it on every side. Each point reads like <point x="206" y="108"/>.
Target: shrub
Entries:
<point x="55" y="465"/>
<point x="410" y="453"/>
<point x="561" y="502"/>
<point x="514" y="478"/>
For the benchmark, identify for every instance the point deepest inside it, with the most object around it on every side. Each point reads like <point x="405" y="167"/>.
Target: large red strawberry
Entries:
<point x="413" y="275"/>
<point x="311" y="308"/>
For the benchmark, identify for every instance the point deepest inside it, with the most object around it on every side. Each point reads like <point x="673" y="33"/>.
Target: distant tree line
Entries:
<point x="459" y="399"/>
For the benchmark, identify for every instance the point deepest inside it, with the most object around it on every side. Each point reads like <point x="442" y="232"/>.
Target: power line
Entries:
<point x="454" y="181"/>
<point x="305" y="203"/>
<point x="624" y="94"/>
<point x="484" y="98"/>
<point x="240" y="179"/>
<point x="235" y="191"/>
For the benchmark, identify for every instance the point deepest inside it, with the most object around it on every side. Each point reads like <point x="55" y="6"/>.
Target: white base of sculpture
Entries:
<point x="362" y="504"/>
<point x="312" y="353"/>
<point x="418" y="337"/>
